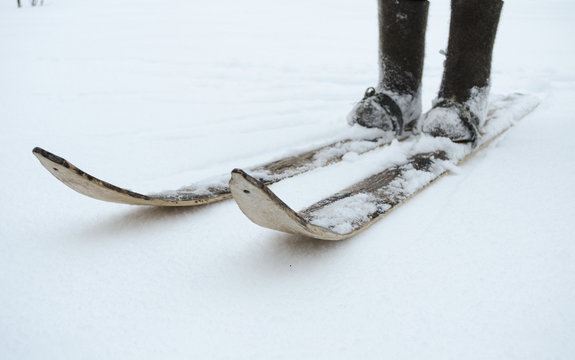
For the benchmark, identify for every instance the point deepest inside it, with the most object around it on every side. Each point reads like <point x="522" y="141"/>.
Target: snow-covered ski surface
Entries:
<point x="210" y="190"/>
<point x="355" y="208"/>
<point x="154" y="95"/>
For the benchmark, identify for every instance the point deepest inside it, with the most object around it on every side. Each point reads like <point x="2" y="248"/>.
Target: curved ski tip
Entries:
<point x="42" y="154"/>
<point x="238" y="171"/>
<point x="38" y="151"/>
<point x="266" y="209"/>
<point x="239" y="174"/>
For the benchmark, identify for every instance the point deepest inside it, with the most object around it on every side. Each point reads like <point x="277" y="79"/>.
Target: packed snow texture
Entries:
<point x="155" y="95"/>
<point x="341" y="216"/>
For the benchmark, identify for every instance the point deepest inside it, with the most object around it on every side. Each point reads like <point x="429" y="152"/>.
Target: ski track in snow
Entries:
<point x="154" y="95"/>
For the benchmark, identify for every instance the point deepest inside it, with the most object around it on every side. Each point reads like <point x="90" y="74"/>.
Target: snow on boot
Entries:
<point x="377" y="110"/>
<point x="459" y="111"/>
<point x="402" y="25"/>
<point x="453" y="120"/>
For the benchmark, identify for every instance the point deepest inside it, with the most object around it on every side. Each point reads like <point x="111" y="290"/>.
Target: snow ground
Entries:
<point x="154" y="95"/>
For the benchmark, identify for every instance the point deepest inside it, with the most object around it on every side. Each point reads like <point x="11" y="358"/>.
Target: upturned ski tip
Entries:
<point x="246" y="177"/>
<point x="43" y="154"/>
<point x="90" y="186"/>
<point x="266" y="209"/>
<point x="83" y="182"/>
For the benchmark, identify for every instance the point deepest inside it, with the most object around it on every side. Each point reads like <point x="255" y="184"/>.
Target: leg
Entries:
<point x="465" y="85"/>
<point x="396" y="102"/>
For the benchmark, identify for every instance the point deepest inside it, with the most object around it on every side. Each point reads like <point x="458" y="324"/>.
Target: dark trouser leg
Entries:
<point x="471" y="37"/>
<point x="402" y="26"/>
<point x="396" y="103"/>
<point x="465" y="84"/>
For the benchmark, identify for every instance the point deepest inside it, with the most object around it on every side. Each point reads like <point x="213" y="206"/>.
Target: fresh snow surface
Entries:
<point x="155" y="95"/>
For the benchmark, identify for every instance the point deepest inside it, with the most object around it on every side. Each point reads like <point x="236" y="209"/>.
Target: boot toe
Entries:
<point x="377" y="110"/>
<point x="447" y="122"/>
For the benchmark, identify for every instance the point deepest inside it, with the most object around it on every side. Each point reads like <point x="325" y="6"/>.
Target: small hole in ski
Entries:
<point x="55" y="169"/>
<point x="246" y="191"/>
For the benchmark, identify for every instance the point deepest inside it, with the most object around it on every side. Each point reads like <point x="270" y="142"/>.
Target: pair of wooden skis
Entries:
<point x="337" y="217"/>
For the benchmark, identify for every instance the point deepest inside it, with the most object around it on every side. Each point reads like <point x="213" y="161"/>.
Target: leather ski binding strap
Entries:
<point x="467" y="117"/>
<point x="390" y="106"/>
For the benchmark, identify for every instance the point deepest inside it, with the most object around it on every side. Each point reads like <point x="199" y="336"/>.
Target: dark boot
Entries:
<point x="396" y="102"/>
<point x="459" y="111"/>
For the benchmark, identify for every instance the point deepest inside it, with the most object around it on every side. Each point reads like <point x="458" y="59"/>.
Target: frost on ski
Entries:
<point x="209" y="188"/>
<point x="411" y="181"/>
<point x="343" y="216"/>
<point x="358" y="205"/>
